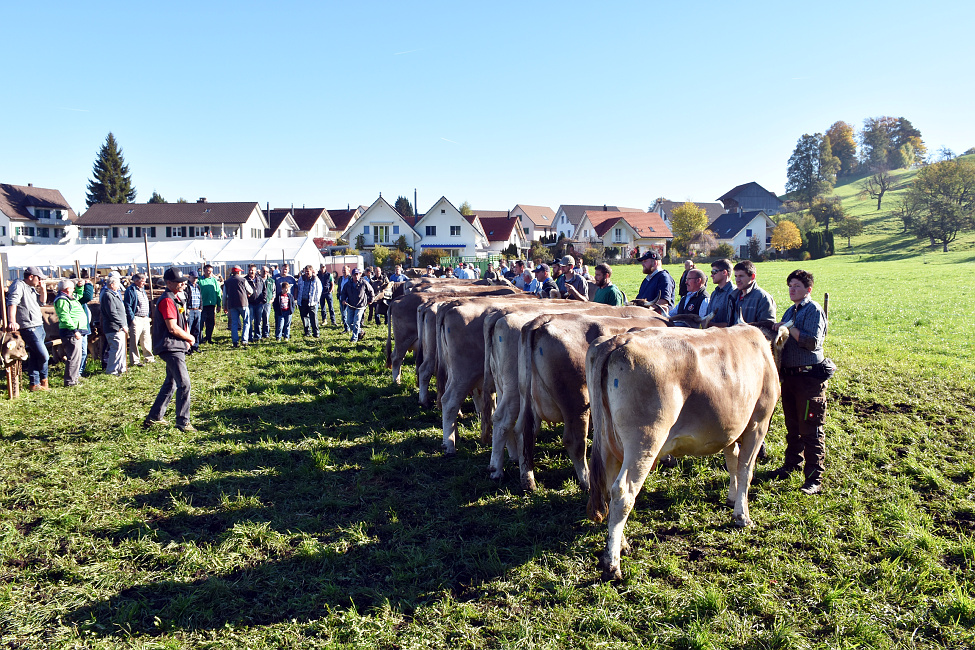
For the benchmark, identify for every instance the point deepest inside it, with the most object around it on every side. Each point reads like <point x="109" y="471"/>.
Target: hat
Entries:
<point x="541" y="267"/>
<point x="429" y="266"/>
<point x="33" y="270"/>
<point x="568" y="261"/>
<point x="173" y="274"/>
<point x="236" y="268"/>
<point x="649" y="255"/>
<point x="193" y="274"/>
<point x="357" y="270"/>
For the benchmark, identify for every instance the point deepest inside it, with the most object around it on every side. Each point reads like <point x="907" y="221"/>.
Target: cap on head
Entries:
<point x="357" y="270"/>
<point x="541" y="267"/>
<point x="649" y="255"/>
<point x="236" y="269"/>
<point x="173" y="274"/>
<point x="33" y="270"/>
<point x="193" y="274"/>
<point x="568" y="261"/>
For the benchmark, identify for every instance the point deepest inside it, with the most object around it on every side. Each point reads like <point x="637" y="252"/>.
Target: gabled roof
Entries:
<point x="378" y="204"/>
<point x="275" y="216"/>
<point x="497" y="228"/>
<point x="306" y="218"/>
<point x="731" y="194"/>
<point x="647" y="225"/>
<point x="730" y="224"/>
<point x="540" y="215"/>
<point x="342" y="218"/>
<point x="574" y="212"/>
<point x="114" y="214"/>
<point x="714" y="210"/>
<point x="15" y="199"/>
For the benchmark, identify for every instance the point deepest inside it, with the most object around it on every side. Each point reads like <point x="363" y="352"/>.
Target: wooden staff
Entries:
<point x="145" y="239"/>
<point x="13" y="370"/>
<point x="77" y="270"/>
<point x="826" y="304"/>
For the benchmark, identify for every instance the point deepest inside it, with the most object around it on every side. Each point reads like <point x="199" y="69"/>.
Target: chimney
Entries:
<point x="605" y="209"/>
<point x="202" y="199"/>
<point x="269" y="208"/>
<point x="30" y="185"/>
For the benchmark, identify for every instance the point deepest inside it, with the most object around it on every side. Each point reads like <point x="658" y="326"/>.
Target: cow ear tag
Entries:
<point x="616" y="383"/>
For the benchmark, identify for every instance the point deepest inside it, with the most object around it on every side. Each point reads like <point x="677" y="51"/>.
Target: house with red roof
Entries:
<point x="502" y="229"/>
<point x="633" y="231"/>
<point x="32" y="215"/>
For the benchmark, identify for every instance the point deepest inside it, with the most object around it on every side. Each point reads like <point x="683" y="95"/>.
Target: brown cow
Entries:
<point x="682" y="392"/>
<point x="552" y="382"/>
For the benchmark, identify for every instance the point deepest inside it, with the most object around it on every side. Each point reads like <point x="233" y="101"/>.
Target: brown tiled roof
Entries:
<point x="574" y="212"/>
<point x="540" y="215"/>
<point x="15" y="199"/>
<point x="342" y="218"/>
<point x="646" y="224"/>
<point x="275" y="217"/>
<point x="118" y="214"/>
<point x="306" y="218"/>
<point x="497" y="228"/>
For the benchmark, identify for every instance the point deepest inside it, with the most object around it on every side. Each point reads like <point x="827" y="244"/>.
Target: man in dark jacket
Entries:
<point x="115" y="325"/>
<point x="356" y="296"/>
<point x="255" y="303"/>
<point x="328" y="287"/>
<point x="170" y="341"/>
<point x="236" y="302"/>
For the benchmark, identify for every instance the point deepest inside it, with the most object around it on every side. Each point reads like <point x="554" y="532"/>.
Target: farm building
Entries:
<point x="736" y="228"/>
<point x="129" y="222"/>
<point x="750" y="197"/>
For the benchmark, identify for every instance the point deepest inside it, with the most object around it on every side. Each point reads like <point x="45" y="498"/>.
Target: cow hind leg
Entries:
<point x="526" y="455"/>
<point x="623" y="495"/>
<point x="748" y="443"/>
<point x="574" y="435"/>
<point x="731" y="462"/>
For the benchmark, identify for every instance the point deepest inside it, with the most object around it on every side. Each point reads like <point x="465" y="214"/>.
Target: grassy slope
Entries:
<point x="883" y="234"/>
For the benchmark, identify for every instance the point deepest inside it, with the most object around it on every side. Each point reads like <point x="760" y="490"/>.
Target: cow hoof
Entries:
<point x="729" y="502"/>
<point x="741" y="522"/>
<point x="450" y="453"/>
<point x="612" y="574"/>
<point x="528" y="483"/>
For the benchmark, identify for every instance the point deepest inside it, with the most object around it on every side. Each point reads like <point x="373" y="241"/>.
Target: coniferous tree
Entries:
<point x="112" y="182"/>
<point x="157" y="198"/>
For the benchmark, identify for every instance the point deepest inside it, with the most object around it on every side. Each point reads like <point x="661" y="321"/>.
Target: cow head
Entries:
<point x="777" y="336"/>
<point x="12" y="348"/>
<point x="691" y="320"/>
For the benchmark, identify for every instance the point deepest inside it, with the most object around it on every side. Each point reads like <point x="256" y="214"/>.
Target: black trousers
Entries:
<point x="804" y="408"/>
<point x="209" y="319"/>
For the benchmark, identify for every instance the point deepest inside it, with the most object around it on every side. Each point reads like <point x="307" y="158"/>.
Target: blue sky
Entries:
<point x="327" y="104"/>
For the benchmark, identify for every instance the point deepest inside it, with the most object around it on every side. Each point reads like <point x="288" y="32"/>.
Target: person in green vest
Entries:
<point x="210" y="297"/>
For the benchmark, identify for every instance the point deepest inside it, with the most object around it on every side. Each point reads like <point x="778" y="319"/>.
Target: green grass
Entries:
<point x="314" y="509"/>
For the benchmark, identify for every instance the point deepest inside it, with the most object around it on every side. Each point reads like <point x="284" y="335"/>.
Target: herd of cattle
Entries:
<point x="651" y="388"/>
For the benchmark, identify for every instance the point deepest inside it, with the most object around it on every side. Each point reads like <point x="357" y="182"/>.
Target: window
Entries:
<point x="114" y="232"/>
<point x="618" y="234"/>
<point x="42" y="214"/>
<point x="455" y="231"/>
<point x="138" y="231"/>
<point x="431" y="231"/>
<point x="395" y="230"/>
<point x="3" y="231"/>
<point x="151" y="231"/>
<point x="169" y="231"/>
<point x="443" y="211"/>
<point x="57" y="214"/>
<point x="526" y="230"/>
<point x="748" y="232"/>
<point x="380" y="234"/>
<point x="129" y="232"/>
<point x="43" y="232"/>
<point x="129" y="211"/>
<point x="59" y="232"/>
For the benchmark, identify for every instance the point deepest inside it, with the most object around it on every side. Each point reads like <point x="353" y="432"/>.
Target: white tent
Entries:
<point x="186" y="254"/>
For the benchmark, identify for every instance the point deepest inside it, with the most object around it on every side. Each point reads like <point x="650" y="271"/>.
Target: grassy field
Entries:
<point x="313" y="507"/>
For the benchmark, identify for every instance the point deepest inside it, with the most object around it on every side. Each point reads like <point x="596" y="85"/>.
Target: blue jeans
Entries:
<point x="345" y="316"/>
<point x="255" y="312"/>
<point x="282" y="326"/>
<point x="194" y="318"/>
<point x="240" y="323"/>
<point x="327" y="302"/>
<point x="265" y="321"/>
<point x="84" y="352"/>
<point x="353" y="320"/>
<point x="37" y="355"/>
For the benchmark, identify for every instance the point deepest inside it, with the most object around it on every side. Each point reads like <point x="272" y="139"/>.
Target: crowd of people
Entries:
<point x="184" y="317"/>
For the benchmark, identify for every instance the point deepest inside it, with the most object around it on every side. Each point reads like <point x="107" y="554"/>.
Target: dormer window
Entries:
<point x="129" y="211"/>
<point x="207" y="211"/>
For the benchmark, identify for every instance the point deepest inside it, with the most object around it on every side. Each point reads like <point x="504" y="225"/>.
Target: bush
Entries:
<point x="726" y="251"/>
<point x="805" y="257"/>
<point x="380" y="254"/>
<point x="590" y="256"/>
<point x="397" y="257"/>
<point x="431" y="257"/>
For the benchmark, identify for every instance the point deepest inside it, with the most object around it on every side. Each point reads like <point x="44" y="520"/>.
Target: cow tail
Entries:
<point x="389" y="340"/>
<point x="487" y="414"/>
<point x="418" y="349"/>
<point x="598" y="506"/>
<point x="440" y="368"/>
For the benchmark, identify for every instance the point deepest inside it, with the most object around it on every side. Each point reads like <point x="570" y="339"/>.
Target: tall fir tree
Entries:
<point x="112" y="182"/>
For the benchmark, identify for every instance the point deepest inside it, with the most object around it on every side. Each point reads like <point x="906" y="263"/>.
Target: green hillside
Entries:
<point x="883" y="233"/>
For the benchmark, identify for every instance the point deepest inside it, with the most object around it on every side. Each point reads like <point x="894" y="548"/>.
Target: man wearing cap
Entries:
<point x="194" y="310"/>
<point x="356" y="295"/>
<point x="429" y="273"/>
<point x="545" y="283"/>
<point x="114" y="323"/>
<point x="137" y="313"/>
<point x="24" y="300"/>
<point x="211" y="300"/>
<point x="658" y="286"/>
<point x="238" y="291"/>
<point x="570" y="278"/>
<point x="170" y="342"/>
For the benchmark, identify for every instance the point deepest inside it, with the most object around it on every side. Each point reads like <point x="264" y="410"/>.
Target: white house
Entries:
<point x="567" y="217"/>
<point x="32" y="215"/>
<point x="281" y="223"/>
<point x="736" y="228"/>
<point x="313" y="222"/>
<point x="502" y="229"/>
<point x="444" y="227"/>
<point x="342" y="219"/>
<point x="381" y="224"/>
<point x="537" y="221"/>
<point x="634" y="232"/>
<point x="129" y="222"/>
